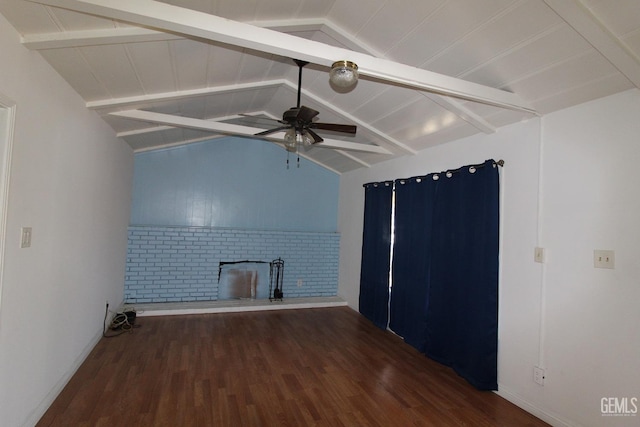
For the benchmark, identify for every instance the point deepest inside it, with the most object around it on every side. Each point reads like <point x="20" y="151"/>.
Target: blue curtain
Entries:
<point x="414" y="201"/>
<point x="376" y="248"/>
<point x="444" y="295"/>
<point x="462" y="310"/>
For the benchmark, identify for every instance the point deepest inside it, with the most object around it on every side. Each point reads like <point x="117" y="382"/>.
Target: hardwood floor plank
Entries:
<point x="311" y="367"/>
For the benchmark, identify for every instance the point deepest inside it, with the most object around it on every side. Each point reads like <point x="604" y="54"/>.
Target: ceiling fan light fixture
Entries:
<point x="291" y="140"/>
<point x="343" y="73"/>
<point x="294" y="138"/>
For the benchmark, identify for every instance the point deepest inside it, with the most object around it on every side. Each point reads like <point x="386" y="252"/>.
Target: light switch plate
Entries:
<point x="603" y="258"/>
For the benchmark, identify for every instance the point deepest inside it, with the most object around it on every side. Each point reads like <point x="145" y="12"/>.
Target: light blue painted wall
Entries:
<point x="233" y="182"/>
<point x="229" y="199"/>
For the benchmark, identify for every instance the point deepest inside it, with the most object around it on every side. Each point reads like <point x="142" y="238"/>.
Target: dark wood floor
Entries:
<point x="323" y="367"/>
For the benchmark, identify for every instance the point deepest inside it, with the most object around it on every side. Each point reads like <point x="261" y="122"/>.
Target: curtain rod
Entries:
<point x="481" y="165"/>
<point x="495" y="162"/>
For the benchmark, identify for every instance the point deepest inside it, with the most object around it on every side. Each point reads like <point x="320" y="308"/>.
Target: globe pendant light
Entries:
<point x="343" y="73"/>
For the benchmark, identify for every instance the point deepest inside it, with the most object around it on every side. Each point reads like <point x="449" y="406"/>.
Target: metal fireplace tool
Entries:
<point x="276" y="275"/>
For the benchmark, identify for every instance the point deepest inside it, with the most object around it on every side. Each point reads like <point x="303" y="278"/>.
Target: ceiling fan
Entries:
<point x="299" y="125"/>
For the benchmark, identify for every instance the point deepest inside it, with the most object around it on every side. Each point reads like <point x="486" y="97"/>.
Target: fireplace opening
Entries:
<point x="243" y="280"/>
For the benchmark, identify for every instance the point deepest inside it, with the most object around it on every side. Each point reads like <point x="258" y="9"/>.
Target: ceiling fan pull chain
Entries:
<point x="298" y="164"/>
<point x="287" y="160"/>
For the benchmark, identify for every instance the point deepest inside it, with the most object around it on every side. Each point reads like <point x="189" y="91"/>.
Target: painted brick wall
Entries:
<point x="166" y="264"/>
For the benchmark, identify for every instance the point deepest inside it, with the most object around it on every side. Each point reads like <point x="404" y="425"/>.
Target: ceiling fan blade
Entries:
<point x="306" y="114"/>
<point x="334" y="127"/>
<point x="316" y="138"/>
<point x="270" y="131"/>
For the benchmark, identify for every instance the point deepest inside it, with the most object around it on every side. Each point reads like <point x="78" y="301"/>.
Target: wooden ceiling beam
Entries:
<point x="174" y="19"/>
<point x="135" y="101"/>
<point x="134" y="34"/>
<point x="237" y="130"/>
<point x="128" y="101"/>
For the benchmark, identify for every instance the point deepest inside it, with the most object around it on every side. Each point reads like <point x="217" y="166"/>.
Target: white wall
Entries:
<point x="571" y="190"/>
<point x="71" y="182"/>
<point x="591" y="201"/>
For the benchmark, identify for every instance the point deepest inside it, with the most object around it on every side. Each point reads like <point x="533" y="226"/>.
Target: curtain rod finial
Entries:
<point x="500" y="162"/>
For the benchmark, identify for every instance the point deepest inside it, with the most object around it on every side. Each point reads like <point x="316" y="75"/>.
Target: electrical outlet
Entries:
<point x="25" y="237"/>
<point x="539" y="255"/>
<point x="603" y="258"/>
<point x="538" y="375"/>
<point x="300" y="283"/>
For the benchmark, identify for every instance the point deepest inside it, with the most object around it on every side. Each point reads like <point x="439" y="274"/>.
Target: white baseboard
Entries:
<point x="40" y="410"/>
<point x="545" y="416"/>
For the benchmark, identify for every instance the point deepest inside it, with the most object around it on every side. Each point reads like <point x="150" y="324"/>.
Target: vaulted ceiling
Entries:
<point x="431" y="71"/>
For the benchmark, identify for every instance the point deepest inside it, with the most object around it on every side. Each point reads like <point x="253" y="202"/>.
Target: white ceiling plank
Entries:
<point x="119" y="81"/>
<point x="145" y="58"/>
<point x="354" y="14"/>
<point x="72" y="65"/>
<point x="340" y="35"/>
<point x="377" y="31"/>
<point x="456" y="107"/>
<point x="254" y="67"/>
<point x="181" y="94"/>
<point x="354" y="158"/>
<point x="503" y="32"/>
<point x="232" y="129"/>
<point x="622" y="20"/>
<point x="94" y="38"/>
<point x="196" y="55"/>
<point x="222" y="67"/>
<point x="574" y="72"/>
<point x="198" y="24"/>
<point x="599" y="36"/>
